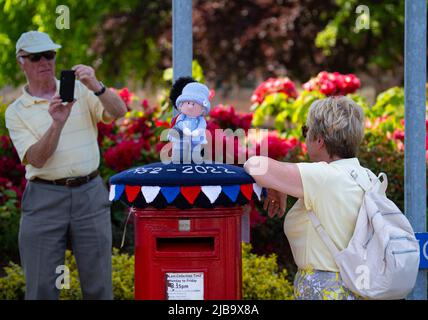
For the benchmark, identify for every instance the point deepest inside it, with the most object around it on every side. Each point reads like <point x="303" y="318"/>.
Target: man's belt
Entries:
<point x="70" y="182"/>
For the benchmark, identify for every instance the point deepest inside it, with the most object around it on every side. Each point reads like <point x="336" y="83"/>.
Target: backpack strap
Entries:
<point x="323" y="234"/>
<point x="360" y="180"/>
<point x="384" y="183"/>
<point x="365" y="186"/>
<point x="372" y="178"/>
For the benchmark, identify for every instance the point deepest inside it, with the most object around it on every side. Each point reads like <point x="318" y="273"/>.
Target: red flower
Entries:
<point x="6" y="183"/>
<point x="246" y="121"/>
<point x="145" y="104"/>
<point x="126" y="96"/>
<point x="211" y="95"/>
<point x="148" y="110"/>
<point x="328" y="88"/>
<point x="398" y="135"/>
<point x="227" y="118"/>
<point x="274" y="85"/>
<point x="105" y="130"/>
<point x="132" y="128"/>
<point x="161" y="123"/>
<point x="333" y="83"/>
<point x="159" y="146"/>
<point x="124" y="154"/>
<point x="278" y="147"/>
<point x="5" y="142"/>
<point x="8" y="165"/>
<point x="212" y="125"/>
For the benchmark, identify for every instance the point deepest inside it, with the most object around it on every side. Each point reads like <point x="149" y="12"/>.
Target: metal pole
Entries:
<point x="181" y="38"/>
<point x="415" y="109"/>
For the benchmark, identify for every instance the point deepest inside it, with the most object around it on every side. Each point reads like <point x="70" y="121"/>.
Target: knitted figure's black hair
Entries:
<point x="177" y="88"/>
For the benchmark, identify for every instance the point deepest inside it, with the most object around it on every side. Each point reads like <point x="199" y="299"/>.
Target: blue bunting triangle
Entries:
<point x="231" y="191"/>
<point x="170" y="193"/>
<point x="118" y="192"/>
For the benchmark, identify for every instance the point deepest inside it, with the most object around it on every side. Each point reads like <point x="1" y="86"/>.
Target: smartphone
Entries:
<point x="66" y="88"/>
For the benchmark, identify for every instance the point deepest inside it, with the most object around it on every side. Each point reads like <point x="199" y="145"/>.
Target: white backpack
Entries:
<point x="381" y="260"/>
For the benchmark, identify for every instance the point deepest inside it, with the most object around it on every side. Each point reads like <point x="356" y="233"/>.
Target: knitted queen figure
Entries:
<point x="188" y="133"/>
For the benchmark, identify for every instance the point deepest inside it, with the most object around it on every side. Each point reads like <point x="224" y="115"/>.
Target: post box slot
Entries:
<point x="185" y="244"/>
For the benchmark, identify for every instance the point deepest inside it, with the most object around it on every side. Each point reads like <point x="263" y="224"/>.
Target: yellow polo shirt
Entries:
<point x="335" y="198"/>
<point x="77" y="153"/>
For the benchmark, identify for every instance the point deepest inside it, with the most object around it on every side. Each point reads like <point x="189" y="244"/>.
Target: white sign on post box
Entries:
<point x="185" y="286"/>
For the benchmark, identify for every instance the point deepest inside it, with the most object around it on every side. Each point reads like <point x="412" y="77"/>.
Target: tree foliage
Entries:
<point x="234" y="41"/>
<point x="377" y="48"/>
<point x="119" y="38"/>
<point x="256" y="39"/>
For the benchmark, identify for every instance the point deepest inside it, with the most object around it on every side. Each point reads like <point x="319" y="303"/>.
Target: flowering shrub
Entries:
<point x="124" y="154"/>
<point x="272" y="105"/>
<point x="278" y="148"/>
<point x="274" y="85"/>
<point x="11" y="170"/>
<point x="225" y="117"/>
<point x="290" y="111"/>
<point x="290" y="119"/>
<point x="132" y="141"/>
<point x="135" y="140"/>
<point x="9" y="219"/>
<point x="12" y="184"/>
<point x="333" y="83"/>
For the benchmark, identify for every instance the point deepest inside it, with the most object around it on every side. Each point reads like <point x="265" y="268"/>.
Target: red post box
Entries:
<point x="188" y="254"/>
<point x="191" y="249"/>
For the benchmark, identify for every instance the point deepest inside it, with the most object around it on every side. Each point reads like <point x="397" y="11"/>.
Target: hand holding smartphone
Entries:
<point x="66" y="89"/>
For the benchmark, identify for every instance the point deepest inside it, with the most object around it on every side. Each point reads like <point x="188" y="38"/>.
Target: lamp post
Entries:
<point x="415" y="109"/>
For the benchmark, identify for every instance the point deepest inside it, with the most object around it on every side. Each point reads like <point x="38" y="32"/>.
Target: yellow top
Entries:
<point x="335" y="198"/>
<point x="77" y="154"/>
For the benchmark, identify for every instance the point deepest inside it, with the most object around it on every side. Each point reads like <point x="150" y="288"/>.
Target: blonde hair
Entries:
<point x="340" y="122"/>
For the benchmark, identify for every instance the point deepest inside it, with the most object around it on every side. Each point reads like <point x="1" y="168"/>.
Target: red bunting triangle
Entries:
<point x="132" y="192"/>
<point x="247" y="190"/>
<point x="190" y="193"/>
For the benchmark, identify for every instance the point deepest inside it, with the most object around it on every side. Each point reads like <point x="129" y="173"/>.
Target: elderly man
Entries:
<point x="65" y="196"/>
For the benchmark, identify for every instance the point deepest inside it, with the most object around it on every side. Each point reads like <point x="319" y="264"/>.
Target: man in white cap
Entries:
<point x="64" y="196"/>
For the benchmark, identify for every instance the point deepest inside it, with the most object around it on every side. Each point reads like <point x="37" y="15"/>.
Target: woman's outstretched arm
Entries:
<point x="271" y="174"/>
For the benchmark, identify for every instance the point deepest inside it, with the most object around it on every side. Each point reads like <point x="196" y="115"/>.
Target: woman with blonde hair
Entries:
<point x="334" y="130"/>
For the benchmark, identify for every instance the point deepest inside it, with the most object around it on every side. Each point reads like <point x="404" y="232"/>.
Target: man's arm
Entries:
<point x="112" y="103"/>
<point x="41" y="151"/>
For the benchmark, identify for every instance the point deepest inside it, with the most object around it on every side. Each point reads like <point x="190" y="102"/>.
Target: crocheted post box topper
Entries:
<point x="184" y="186"/>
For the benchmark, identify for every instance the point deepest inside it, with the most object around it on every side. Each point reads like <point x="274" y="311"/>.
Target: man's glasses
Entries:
<point x="35" y="57"/>
<point x="304" y="131"/>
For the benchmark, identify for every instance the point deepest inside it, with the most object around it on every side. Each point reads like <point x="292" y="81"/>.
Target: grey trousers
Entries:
<point x="51" y="212"/>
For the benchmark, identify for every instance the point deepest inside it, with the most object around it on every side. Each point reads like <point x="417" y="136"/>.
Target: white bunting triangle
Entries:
<point x="150" y="193"/>
<point x="112" y="192"/>
<point x="258" y="190"/>
<point x="212" y="192"/>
